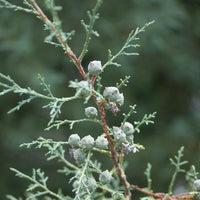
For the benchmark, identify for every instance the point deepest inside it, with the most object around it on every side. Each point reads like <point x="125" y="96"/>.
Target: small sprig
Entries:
<point x="53" y="8"/>
<point x="93" y="16"/>
<point x="99" y="85"/>
<point x="41" y="142"/>
<point x="81" y="188"/>
<point x="126" y="116"/>
<point x="114" y="193"/>
<point x="136" y="147"/>
<point x="47" y="87"/>
<point x="10" y="197"/>
<point x="178" y="164"/>
<point x="10" y="85"/>
<point x="21" y="103"/>
<point x="55" y="104"/>
<point x="71" y="123"/>
<point x="55" y="107"/>
<point x="127" y="45"/>
<point x="38" y="180"/>
<point x="145" y="120"/>
<point x="191" y="176"/>
<point x="55" y="150"/>
<point x="124" y="82"/>
<point x="6" y="4"/>
<point x="148" y="176"/>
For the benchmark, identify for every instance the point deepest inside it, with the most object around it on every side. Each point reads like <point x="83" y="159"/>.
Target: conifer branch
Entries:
<point x="66" y="47"/>
<point x="93" y="16"/>
<point x="120" y="140"/>
<point x="37" y="183"/>
<point x="127" y="45"/>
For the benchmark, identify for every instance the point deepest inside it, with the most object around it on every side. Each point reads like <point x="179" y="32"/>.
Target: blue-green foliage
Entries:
<point x="86" y="168"/>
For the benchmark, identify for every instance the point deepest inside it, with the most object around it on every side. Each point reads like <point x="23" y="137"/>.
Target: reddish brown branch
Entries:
<point x="71" y="54"/>
<point x="92" y="81"/>
<point x="157" y="195"/>
<point x="186" y="196"/>
<point x="68" y="51"/>
<point x="162" y="196"/>
<point x="114" y="155"/>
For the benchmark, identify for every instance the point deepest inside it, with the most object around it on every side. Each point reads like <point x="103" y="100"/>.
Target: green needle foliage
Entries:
<point x="148" y="175"/>
<point x="130" y="43"/>
<point x="191" y="176"/>
<point x="178" y="163"/>
<point x="89" y="179"/>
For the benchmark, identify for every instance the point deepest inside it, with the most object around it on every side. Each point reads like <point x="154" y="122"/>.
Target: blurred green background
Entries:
<point x="165" y="78"/>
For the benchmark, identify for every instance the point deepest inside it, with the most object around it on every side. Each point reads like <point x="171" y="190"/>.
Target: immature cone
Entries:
<point x="130" y="138"/>
<point x="83" y="90"/>
<point x="95" y="67"/>
<point x="74" y="140"/>
<point x="111" y="94"/>
<point x="79" y="156"/>
<point x="120" y="100"/>
<point x="118" y="196"/>
<point x="196" y="185"/>
<point x="118" y="134"/>
<point x="109" y="105"/>
<point x="91" y="112"/>
<point x="128" y="128"/>
<point x="105" y="177"/>
<point x="91" y="184"/>
<point x="87" y="142"/>
<point x="75" y="184"/>
<point x="101" y="143"/>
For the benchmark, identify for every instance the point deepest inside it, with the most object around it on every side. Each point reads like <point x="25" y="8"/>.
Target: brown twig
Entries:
<point x="186" y="196"/>
<point x="68" y="51"/>
<point x="162" y="196"/>
<point x="101" y="109"/>
<point x="114" y="156"/>
<point x="157" y="195"/>
<point x="92" y="82"/>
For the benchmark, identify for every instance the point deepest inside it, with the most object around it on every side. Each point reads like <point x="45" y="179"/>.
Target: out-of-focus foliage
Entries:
<point x="165" y="79"/>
